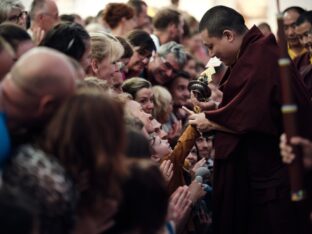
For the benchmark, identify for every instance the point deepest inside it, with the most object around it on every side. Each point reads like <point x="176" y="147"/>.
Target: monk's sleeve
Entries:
<point x="184" y="145"/>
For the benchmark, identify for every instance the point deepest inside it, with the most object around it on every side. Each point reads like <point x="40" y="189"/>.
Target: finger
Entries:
<point x="188" y="111"/>
<point x="166" y="165"/>
<point x="299" y="141"/>
<point x="181" y="197"/>
<point x="171" y="167"/>
<point x="162" y="165"/>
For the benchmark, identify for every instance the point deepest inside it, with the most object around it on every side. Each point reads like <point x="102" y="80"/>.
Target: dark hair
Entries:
<point x="141" y="39"/>
<point x="165" y="17"/>
<point x="128" y="51"/>
<point x="220" y="18"/>
<point x="297" y="9"/>
<point x="13" y="34"/>
<point x="144" y="192"/>
<point x="67" y="18"/>
<point x="137" y="145"/>
<point x="68" y="38"/>
<point x="304" y="17"/>
<point x="137" y="5"/>
<point x="180" y="74"/>
<point x="114" y="12"/>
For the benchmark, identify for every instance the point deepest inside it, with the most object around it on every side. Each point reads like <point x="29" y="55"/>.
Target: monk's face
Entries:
<point x="224" y="48"/>
<point x="289" y="19"/>
<point x="304" y="32"/>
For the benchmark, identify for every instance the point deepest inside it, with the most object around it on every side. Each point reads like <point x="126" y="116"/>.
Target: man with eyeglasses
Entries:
<point x="163" y="66"/>
<point x="143" y="47"/>
<point x="44" y="15"/>
<point x="13" y="11"/>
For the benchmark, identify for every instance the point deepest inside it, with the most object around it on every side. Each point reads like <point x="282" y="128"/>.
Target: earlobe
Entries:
<point x="94" y="65"/>
<point x="46" y="106"/>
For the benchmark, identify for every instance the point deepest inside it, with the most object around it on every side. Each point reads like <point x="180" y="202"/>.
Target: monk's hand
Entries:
<point x="287" y="151"/>
<point x="201" y="122"/>
<point x="204" y="106"/>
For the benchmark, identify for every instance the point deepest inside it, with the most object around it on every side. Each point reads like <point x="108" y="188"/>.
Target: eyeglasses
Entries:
<point x="168" y="65"/>
<point x="17" y="18"/>
<point x="145" y="54"/>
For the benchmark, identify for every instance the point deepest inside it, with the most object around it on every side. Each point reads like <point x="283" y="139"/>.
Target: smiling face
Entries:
<point x="145" y="97"/>
<point x="164" y="68"/>
<point x="226" y="48"/>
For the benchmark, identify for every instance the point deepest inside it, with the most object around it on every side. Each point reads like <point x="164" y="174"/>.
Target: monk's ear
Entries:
<point x="229" y="35"/>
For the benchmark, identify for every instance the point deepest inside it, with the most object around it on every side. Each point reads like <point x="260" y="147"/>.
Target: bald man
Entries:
<point x="44" y="15"/>
<point x="35" y="87"/>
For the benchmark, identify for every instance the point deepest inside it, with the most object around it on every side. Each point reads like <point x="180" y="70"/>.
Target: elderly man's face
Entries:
<point x="49" y="16"/>
<point x="164" y="68"/>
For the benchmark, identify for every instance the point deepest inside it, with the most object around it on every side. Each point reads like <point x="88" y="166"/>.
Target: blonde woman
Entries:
<point x="162" y="112"/>
<point x="106" y="50"/>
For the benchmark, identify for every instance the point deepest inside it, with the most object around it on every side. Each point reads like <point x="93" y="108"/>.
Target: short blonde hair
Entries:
<point x="93" y="84"/>
<point x="162" y="100"/>
<point x="105" y="45"/>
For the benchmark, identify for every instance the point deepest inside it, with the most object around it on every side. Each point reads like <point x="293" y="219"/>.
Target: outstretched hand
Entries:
<point x="287" y="150"/>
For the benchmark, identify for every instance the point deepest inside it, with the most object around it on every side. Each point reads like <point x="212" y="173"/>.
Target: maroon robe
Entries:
<point x="251" y="184"/>
<point x="304" y="66"/>
<point x="302" y="60"/>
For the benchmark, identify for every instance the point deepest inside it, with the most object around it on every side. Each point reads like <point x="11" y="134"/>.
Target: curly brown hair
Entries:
<point x="114" y="12"/>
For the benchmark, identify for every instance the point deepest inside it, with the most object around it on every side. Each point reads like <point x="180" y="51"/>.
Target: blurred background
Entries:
<point x="254" y="11"/>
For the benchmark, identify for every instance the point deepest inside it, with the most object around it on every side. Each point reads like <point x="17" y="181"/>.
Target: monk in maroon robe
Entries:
<point x="251" y="184"/>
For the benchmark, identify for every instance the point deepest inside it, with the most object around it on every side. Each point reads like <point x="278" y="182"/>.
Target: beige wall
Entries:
<point x="255" y="11"/>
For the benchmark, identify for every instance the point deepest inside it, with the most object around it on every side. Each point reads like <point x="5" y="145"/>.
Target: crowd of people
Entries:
<point x="123" y="123"/>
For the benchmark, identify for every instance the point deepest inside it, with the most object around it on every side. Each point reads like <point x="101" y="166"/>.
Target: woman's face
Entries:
<point x="145" y="97"/>
<point x="18" y="16"/>
<point x="136" y="110"/>
<point x="85" y="60"/>
<point x="104" y="69"/>
<point x="138" y="61"/>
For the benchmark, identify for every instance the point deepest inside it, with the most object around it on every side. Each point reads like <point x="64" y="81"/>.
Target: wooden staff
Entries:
<point x="289" y="110"/>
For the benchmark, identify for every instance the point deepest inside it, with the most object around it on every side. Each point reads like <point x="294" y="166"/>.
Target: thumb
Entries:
<point x="188" y="111"/>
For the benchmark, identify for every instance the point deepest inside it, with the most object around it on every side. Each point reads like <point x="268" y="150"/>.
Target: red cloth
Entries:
<point x="251" y="190"/>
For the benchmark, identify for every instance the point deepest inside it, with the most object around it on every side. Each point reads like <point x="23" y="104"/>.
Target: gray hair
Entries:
<point x="176" y="49"/>
<point x="6" y="6"/>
